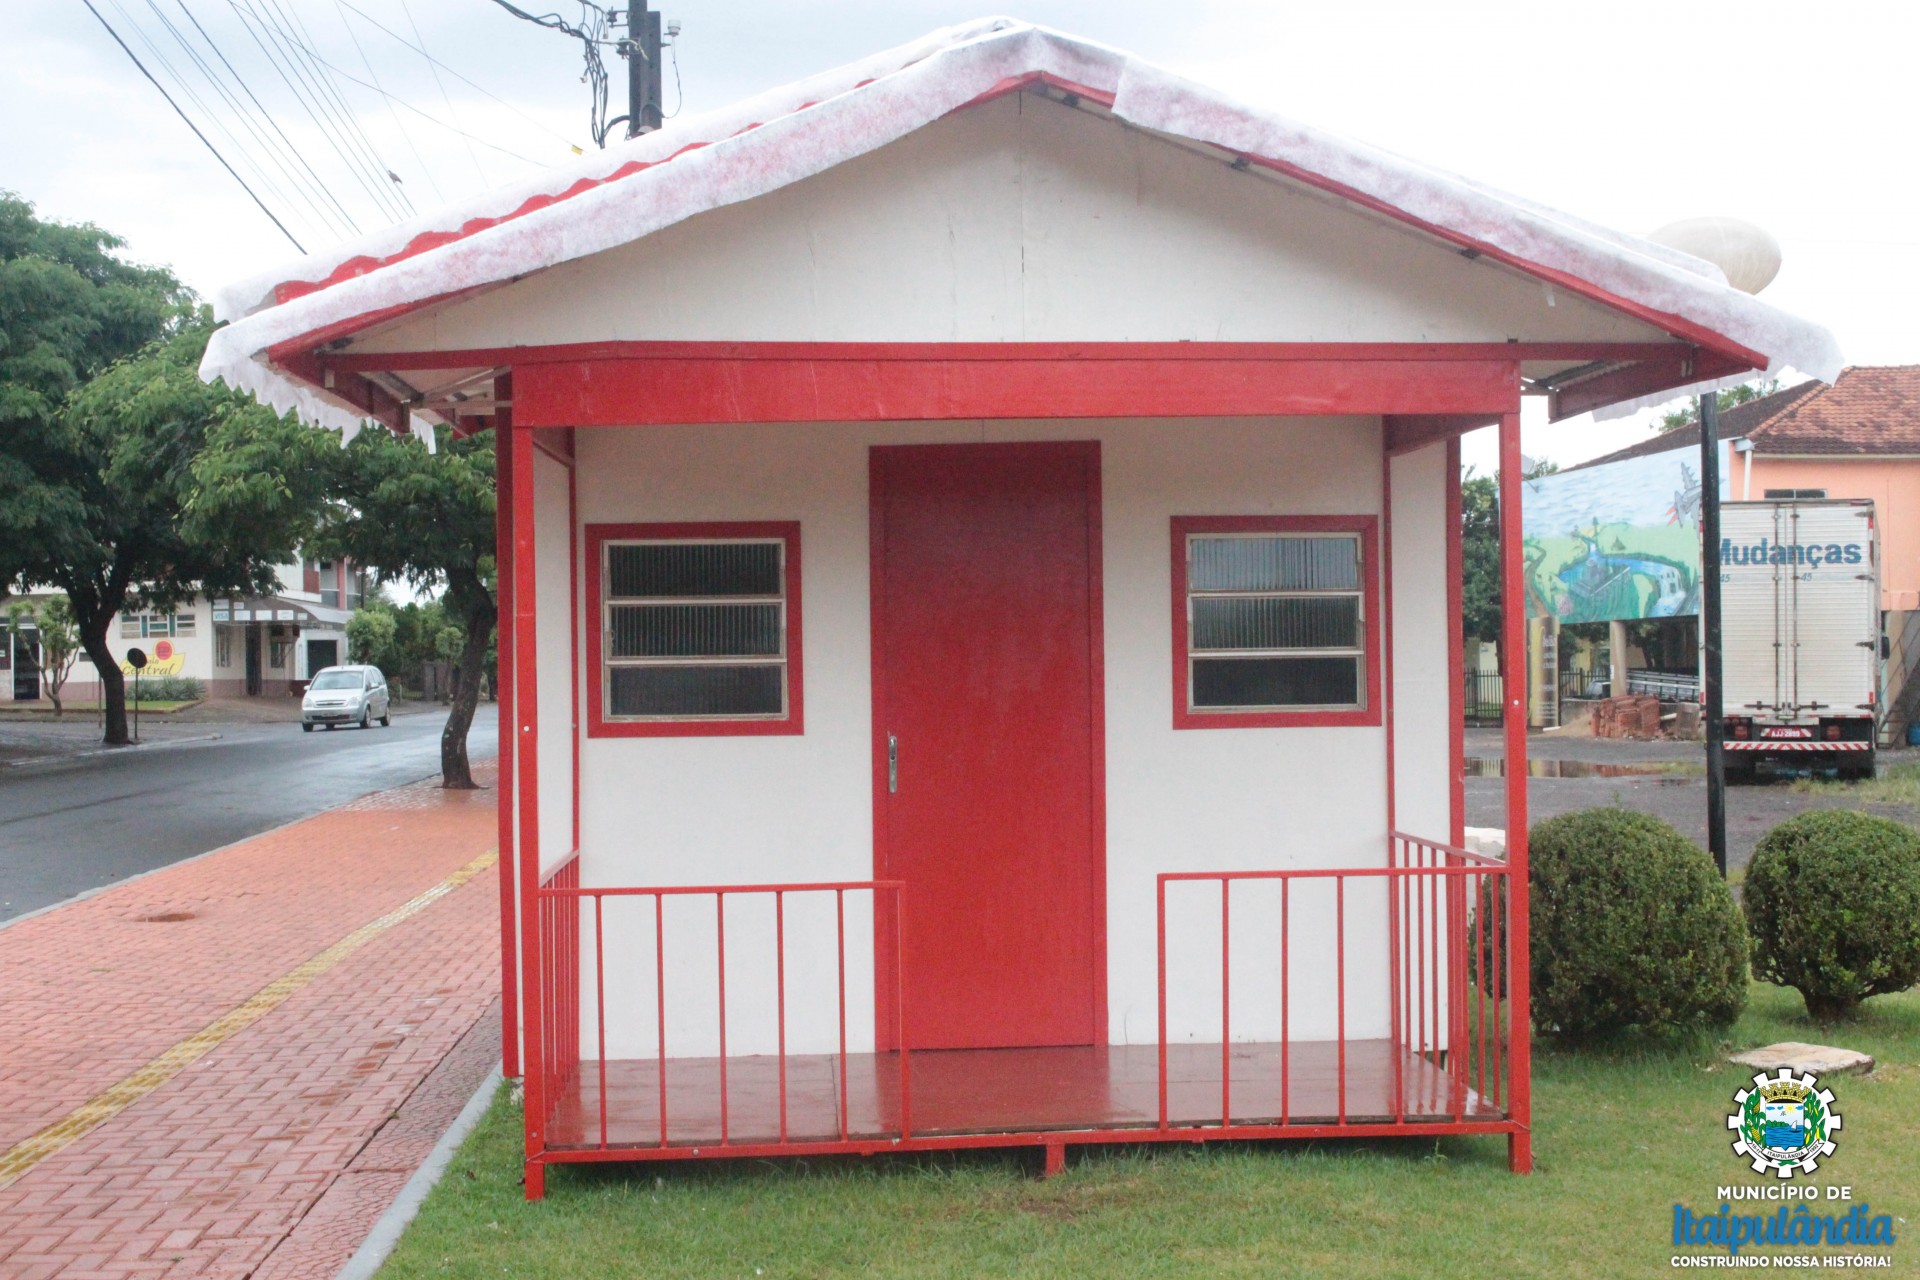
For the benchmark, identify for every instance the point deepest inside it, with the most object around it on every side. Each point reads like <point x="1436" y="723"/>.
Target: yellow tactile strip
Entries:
<point x="116" y="1098"/>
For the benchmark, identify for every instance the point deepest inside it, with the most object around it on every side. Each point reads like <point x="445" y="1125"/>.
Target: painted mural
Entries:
<point x="1616" y="542"/>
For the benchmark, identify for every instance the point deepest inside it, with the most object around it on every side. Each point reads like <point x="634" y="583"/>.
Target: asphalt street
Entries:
<point x="72" y="824"/>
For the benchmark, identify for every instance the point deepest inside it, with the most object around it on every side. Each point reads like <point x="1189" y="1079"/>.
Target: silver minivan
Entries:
<point x="345" y="695"/>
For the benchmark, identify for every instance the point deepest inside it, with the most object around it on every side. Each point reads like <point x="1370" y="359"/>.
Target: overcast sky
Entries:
<point x="1799" y="117"/>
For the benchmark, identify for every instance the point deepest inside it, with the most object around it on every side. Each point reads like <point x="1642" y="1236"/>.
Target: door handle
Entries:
<point x="893" y="764"/>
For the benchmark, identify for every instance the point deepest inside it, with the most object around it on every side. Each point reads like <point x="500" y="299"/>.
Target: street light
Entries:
<point x="1750" y="258"/>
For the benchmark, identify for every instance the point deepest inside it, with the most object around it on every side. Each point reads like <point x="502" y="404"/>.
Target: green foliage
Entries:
<point x="69" y="307"/>
<point x="171" y="689"/>
<point x="1632" y="930"/>
<point x="370" y="634"/>
<point x="426" y="520"/>
<point x="1689" y="416"/>
<point x="52" y="617"/>
<point x="110" y="444"/>
<point x="1833" y="901"/>
<point x="1480" y="557"/>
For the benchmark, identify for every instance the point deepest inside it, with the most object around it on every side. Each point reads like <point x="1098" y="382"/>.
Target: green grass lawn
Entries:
<point x="1897" y="784"/>
<point x="1619" y="1139"/>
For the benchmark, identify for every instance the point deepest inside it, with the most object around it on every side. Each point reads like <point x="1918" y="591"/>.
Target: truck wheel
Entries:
<point x="1857" y="768"/>
<point x="1740" y="772"/>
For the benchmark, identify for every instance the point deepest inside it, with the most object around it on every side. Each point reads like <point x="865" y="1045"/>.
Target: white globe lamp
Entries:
<point x="1748" y="254"/>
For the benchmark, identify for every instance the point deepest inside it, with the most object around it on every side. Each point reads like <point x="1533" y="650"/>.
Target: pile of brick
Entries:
<point x="1637" y="715"/>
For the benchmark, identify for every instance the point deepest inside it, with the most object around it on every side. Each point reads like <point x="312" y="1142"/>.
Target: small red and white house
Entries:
<point x="980" y="600"/>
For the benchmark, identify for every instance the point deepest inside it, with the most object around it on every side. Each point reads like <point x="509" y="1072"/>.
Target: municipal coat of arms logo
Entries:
<point x="1785" y="1123"/>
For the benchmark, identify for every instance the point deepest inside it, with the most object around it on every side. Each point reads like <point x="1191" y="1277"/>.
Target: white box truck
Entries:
<point x="1800" y="635"/>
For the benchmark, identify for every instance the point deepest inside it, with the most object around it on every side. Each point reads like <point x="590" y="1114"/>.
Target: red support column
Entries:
<point x="519" y="441"/>
<point x="1456" y="651"/>
<point x="503" y="698"/>
<point x="1513" y="651"/>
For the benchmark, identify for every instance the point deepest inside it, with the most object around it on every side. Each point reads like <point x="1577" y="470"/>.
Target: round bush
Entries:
<point x="1833" y="901"/>
<point x="1632" y="930"/>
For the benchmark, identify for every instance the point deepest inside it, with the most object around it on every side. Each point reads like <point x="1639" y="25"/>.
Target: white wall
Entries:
<point x="553" y="655"/>
<point x="697" y="810"/>
<point x="1422" y="675"/>
<point x="1024" y="220"/>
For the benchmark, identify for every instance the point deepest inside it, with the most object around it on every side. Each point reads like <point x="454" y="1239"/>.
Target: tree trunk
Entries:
<point x="455" y="771"/>
<point x="113" y="682"/>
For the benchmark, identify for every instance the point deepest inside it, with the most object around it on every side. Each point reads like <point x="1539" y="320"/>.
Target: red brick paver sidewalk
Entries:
<point x="273" y="1152"/>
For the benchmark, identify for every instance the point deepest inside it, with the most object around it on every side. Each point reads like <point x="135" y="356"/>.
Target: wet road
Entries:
<point x="75" y="824"/>
<point x="1665" y="779"/>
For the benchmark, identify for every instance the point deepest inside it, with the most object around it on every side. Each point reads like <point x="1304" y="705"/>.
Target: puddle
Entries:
<point x="1674" y="772"/>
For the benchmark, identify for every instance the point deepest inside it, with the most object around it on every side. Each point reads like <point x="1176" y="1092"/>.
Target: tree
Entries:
<point x="69" y="307"/>
<point x="108" y="438"/>
<point x="52" y="618"/>
<point x="1480" y="557"/>
<point x="1688" y="416"/>
<point x="128" y="458"/>
<point x="370" y="633"/>
<point x="425" y="519"/>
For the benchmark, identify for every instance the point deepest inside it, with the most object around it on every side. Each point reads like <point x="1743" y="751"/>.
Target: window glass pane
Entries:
<point x="705" y="690"/>
<point x="1276" y="682"/>
<point x="1274" y="564"/>
<point x="1286" y="622"/>
<point x="695" y="630"/>
<point x="695" y="569"/>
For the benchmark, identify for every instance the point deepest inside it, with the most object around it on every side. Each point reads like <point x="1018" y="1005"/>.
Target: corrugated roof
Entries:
<point x="1736" y="422"/>
<point x="641" y="186"/>
<point x="1870" y="411"/>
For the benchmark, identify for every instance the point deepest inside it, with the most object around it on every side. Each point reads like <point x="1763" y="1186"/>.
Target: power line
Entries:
<point x="370" y="170"/>
<point x="318" y="182"/>
<point x="237" y="148"/>
<point x="292" y="13"/>
<point x="238" y="110"/>
<point x="434" y="67"/>
<point x="341" y="11"/>
<point x="455" y="72"/>
<point x="590" y="41"/>
<point x="424" y="115"/>
<point x="254" y="25"/>
<point x="191" y="125"/>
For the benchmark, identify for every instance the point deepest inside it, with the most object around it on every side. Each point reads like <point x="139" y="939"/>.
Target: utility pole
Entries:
<point x="641" y="49"/>
<point x="1710" y="629"/>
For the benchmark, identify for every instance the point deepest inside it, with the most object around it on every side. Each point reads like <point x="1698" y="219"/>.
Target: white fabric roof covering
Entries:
<point x="782" y="136"/>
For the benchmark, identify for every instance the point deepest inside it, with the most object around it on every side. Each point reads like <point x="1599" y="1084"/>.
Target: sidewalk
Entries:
<point x="229" y="1067"/>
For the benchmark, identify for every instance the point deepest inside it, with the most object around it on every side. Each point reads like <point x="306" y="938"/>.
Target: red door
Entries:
<point x="987" y="731"/>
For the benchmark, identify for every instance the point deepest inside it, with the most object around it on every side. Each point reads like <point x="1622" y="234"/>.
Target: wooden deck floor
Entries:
<point x="988" y="1091"/>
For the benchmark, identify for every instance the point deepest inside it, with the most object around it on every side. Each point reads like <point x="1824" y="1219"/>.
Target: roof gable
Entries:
<point x="782" y="137"/>
<point x="1023" y="220"/>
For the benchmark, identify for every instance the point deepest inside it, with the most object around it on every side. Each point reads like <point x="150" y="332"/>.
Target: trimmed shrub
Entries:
<point x="1833" y="900"/>
<point x="1633" y="931"/>
<point x="166" y="689"/>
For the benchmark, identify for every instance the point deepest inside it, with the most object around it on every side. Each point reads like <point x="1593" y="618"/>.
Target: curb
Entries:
<point x="387" y="1230"/>
<point x="157" y="745"/>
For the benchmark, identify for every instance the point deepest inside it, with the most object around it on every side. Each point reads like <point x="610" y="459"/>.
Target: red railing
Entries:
<point x="560" y="979"/>
<point x="1447" y="1012"/>
<point x="564" y="904"/>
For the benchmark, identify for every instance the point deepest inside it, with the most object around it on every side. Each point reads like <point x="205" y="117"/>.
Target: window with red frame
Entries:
<point x="1274" y="621"/>
<point x="697" y="628"/>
